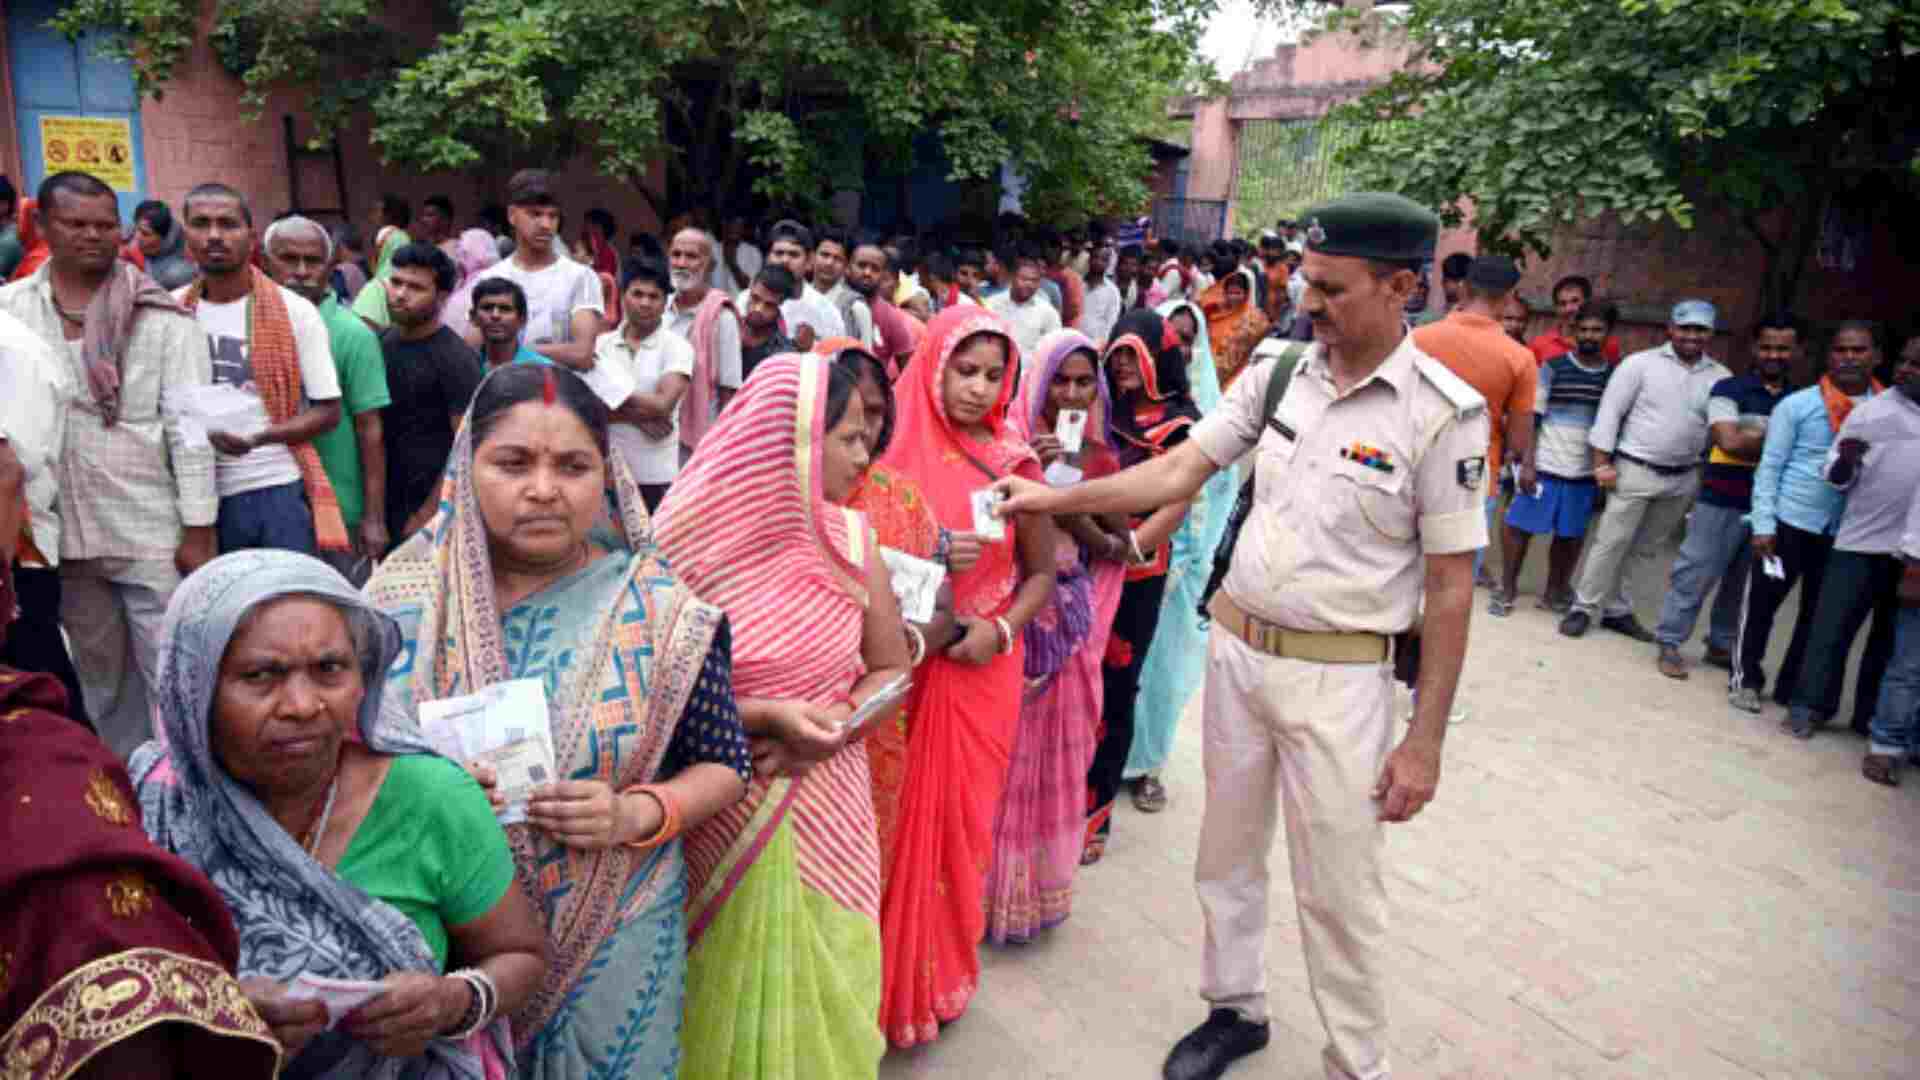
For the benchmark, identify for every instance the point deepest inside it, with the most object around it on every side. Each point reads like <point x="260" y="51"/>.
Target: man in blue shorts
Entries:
<point x="1561" y="503"/>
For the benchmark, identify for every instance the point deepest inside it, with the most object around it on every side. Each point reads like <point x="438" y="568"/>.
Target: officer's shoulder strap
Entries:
<point x="1466" y="401"/>
<point x="1284" y="363"/>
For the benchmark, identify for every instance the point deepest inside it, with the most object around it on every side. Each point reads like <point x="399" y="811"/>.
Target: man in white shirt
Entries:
<point x="1102" y="306"/>
<point x="265" y="501"/>
<point x="658" y="365"/>
<point x="809" y="317"/>
<point x="832" y="250"/>
<point x="738" y="259"/>
<point x="707" y="320"/>
<point x="565" y="308"/>
<point x="1028" y="315"/>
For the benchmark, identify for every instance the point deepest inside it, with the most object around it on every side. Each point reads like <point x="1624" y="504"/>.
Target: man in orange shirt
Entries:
<point x="1472" y="344"/>
<point x="1570" y="293"/>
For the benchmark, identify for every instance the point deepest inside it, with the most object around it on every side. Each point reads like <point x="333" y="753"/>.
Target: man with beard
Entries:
<point x="431" y="375"/>
<point x="705" y="318"/>
<point x="142" y="516"/>
<point x="271" y="345"/>
<point x="1795" y="511"/>
<point x="1647" y="441"/>
<point x="500" y="315"/>
<point x="1876" y="461"/>
<point x="1027" y="313"/>
<point x="300" y="258"/>
<point x="1103" y="299"/>
<point x="808" y="314"/>
<point x="760" y="335"/>
<point x="831" y="255"/>
<point x="970" y="273"/>
<point x="565" y="309"/>
<point x="1560" y="502"/>
<point x="1716" y="548"/>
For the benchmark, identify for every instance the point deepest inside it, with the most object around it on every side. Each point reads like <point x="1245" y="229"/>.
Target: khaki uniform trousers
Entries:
<point x="1313" y="738"/>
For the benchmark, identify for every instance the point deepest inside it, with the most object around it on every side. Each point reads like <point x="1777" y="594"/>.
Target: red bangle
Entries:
<point x="669" y="816"/>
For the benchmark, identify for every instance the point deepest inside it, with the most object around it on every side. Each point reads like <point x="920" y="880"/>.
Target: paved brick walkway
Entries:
<point x="1622" y="877"/>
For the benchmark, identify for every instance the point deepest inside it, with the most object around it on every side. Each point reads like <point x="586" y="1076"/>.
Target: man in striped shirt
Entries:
<point x="1561" y="503"/>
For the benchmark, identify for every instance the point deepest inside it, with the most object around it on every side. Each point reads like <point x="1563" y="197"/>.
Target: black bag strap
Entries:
<point x="1283" y="368"/>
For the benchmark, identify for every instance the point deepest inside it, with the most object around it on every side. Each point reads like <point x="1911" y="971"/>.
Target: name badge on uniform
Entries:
<point x="1471" y="472"/>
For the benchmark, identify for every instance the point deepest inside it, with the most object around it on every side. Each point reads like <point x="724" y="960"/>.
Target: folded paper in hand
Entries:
<point x="504" y="727"/>
<point x="916" y="583"/>
<point x="340" y="996"/>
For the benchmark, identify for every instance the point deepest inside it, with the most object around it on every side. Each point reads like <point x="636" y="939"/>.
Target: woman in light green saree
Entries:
<point x="371" y="304"/>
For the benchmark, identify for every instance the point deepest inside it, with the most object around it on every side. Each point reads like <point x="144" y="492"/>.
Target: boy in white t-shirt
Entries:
<point x="647" y="368"/>
<point x="565" y="307"/>
<point x="263" y="499"/>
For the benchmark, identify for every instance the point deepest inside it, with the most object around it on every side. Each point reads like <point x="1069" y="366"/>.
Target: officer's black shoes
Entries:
<point x="1208" y="1049"/>
<point x="1576" y="623"/>
<point x="1628" y="625"/>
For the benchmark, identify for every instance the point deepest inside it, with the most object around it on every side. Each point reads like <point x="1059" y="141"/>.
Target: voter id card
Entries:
<point x="1071" y="429"/>
<point x="986" y="523"/>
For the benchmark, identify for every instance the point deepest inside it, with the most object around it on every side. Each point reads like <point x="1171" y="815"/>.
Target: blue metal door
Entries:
<point x="54" y="77"/>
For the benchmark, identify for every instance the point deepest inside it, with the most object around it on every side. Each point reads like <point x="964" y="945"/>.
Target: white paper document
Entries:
<point x="1774" y="568"/>
<point x="612" y="382"/>
<point x="1071" y="429"/>
<point x="916" y="582"/>
<point x="206" y="407"/>
<point x="1061" y="474"/>
<point x="504" y="726"/>
<point x="340" y="996"/>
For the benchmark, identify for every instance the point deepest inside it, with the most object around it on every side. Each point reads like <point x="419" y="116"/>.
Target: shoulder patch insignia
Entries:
<point x="1471" y="472"/>
<point x="1465" y="400"/>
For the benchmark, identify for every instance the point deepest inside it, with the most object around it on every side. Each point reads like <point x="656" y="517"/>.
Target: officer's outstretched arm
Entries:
<point x="1172" y="477"/>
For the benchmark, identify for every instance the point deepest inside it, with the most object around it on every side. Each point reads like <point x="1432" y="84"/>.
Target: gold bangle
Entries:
<point x="669" y="816"/>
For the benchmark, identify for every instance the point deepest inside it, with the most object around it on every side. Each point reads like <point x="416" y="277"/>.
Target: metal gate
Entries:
<point x="1281" y="167"/>
<point x="1190" y="221"/>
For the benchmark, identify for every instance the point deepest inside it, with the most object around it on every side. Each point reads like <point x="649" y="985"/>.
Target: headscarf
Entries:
<point x="473" y="253"/>
<point x="295" y="916"/>
<point x="371" y="304"/>
<point x="649" y="652"/>
<point x="747" y="526"/>
<point x="31" y="242"/>
<point x="1030" y="402"/>
<point x="171" y="267"/>
<point x="106" y="935"/>
<point x="1164" y="404"/>
<point x="925" y="442"/>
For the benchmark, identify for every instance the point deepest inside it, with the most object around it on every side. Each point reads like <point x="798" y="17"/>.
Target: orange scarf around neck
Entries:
<point x="1837" y="401"/>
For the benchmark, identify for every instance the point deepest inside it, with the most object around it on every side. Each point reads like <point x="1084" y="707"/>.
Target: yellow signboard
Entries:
<point x="99" y="145"/>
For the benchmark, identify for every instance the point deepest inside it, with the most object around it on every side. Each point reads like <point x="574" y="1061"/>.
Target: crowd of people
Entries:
<point x="861" y="579"/>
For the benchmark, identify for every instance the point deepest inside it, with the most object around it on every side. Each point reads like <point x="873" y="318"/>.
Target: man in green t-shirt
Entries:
<point x="300" y="257"/>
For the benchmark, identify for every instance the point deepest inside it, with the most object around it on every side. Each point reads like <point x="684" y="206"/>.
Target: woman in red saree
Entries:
<point x="1234" y="325"/>
<point x="953" y="440"/>
<point x="1040" y="830"/>
<point x="903" y="521"/>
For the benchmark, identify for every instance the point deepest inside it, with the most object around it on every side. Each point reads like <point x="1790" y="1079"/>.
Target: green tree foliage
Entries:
<point x="1535" y="113"/>
<point x="725" y="92"/>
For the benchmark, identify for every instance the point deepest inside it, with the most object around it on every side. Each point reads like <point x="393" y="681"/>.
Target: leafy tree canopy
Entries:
<point x="792" y="95"/>
<point x="1535" y="113"/>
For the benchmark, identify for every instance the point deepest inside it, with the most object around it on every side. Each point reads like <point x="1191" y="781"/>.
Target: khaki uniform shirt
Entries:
<point x="1352" y="489"/>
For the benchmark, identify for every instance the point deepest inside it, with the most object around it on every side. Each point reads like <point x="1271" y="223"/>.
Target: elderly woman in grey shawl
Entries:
<point x="365" y="859"/>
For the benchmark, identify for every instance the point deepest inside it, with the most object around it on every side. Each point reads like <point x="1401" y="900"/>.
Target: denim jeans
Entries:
<point x="1893" y="718"/>
<point x="269" y="517"/>
<point x="1493" y="530"/>
<point x="1715" y="550"/>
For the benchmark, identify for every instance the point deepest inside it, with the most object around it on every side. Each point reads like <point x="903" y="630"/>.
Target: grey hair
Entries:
<point x="296" y="221"/>
<point x="713" y="244"/>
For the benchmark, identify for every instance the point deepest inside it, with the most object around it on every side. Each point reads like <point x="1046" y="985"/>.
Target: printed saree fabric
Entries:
<point x="784" y="968"/>
<point x="962" y="718"/>
<point x="621" y="652"/>
<point x="106" y="938"/>
<point x="1041" y="821"/>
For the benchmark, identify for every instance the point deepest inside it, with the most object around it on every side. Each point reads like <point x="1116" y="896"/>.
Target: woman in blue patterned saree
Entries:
<point x="541" y="565"/>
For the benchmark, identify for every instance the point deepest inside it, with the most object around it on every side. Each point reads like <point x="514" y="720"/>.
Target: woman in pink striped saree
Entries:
<point x="783" y="976"/>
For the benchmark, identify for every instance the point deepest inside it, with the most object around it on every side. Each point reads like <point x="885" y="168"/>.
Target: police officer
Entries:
<point x="1368" y="509"/>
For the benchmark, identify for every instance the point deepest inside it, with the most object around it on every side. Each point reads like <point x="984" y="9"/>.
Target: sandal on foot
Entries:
<point x="1500" y="604"/>
<point x="1149" y="795"/>
<point x="1881" y="769"/>
<point x="1095" y="848"/>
